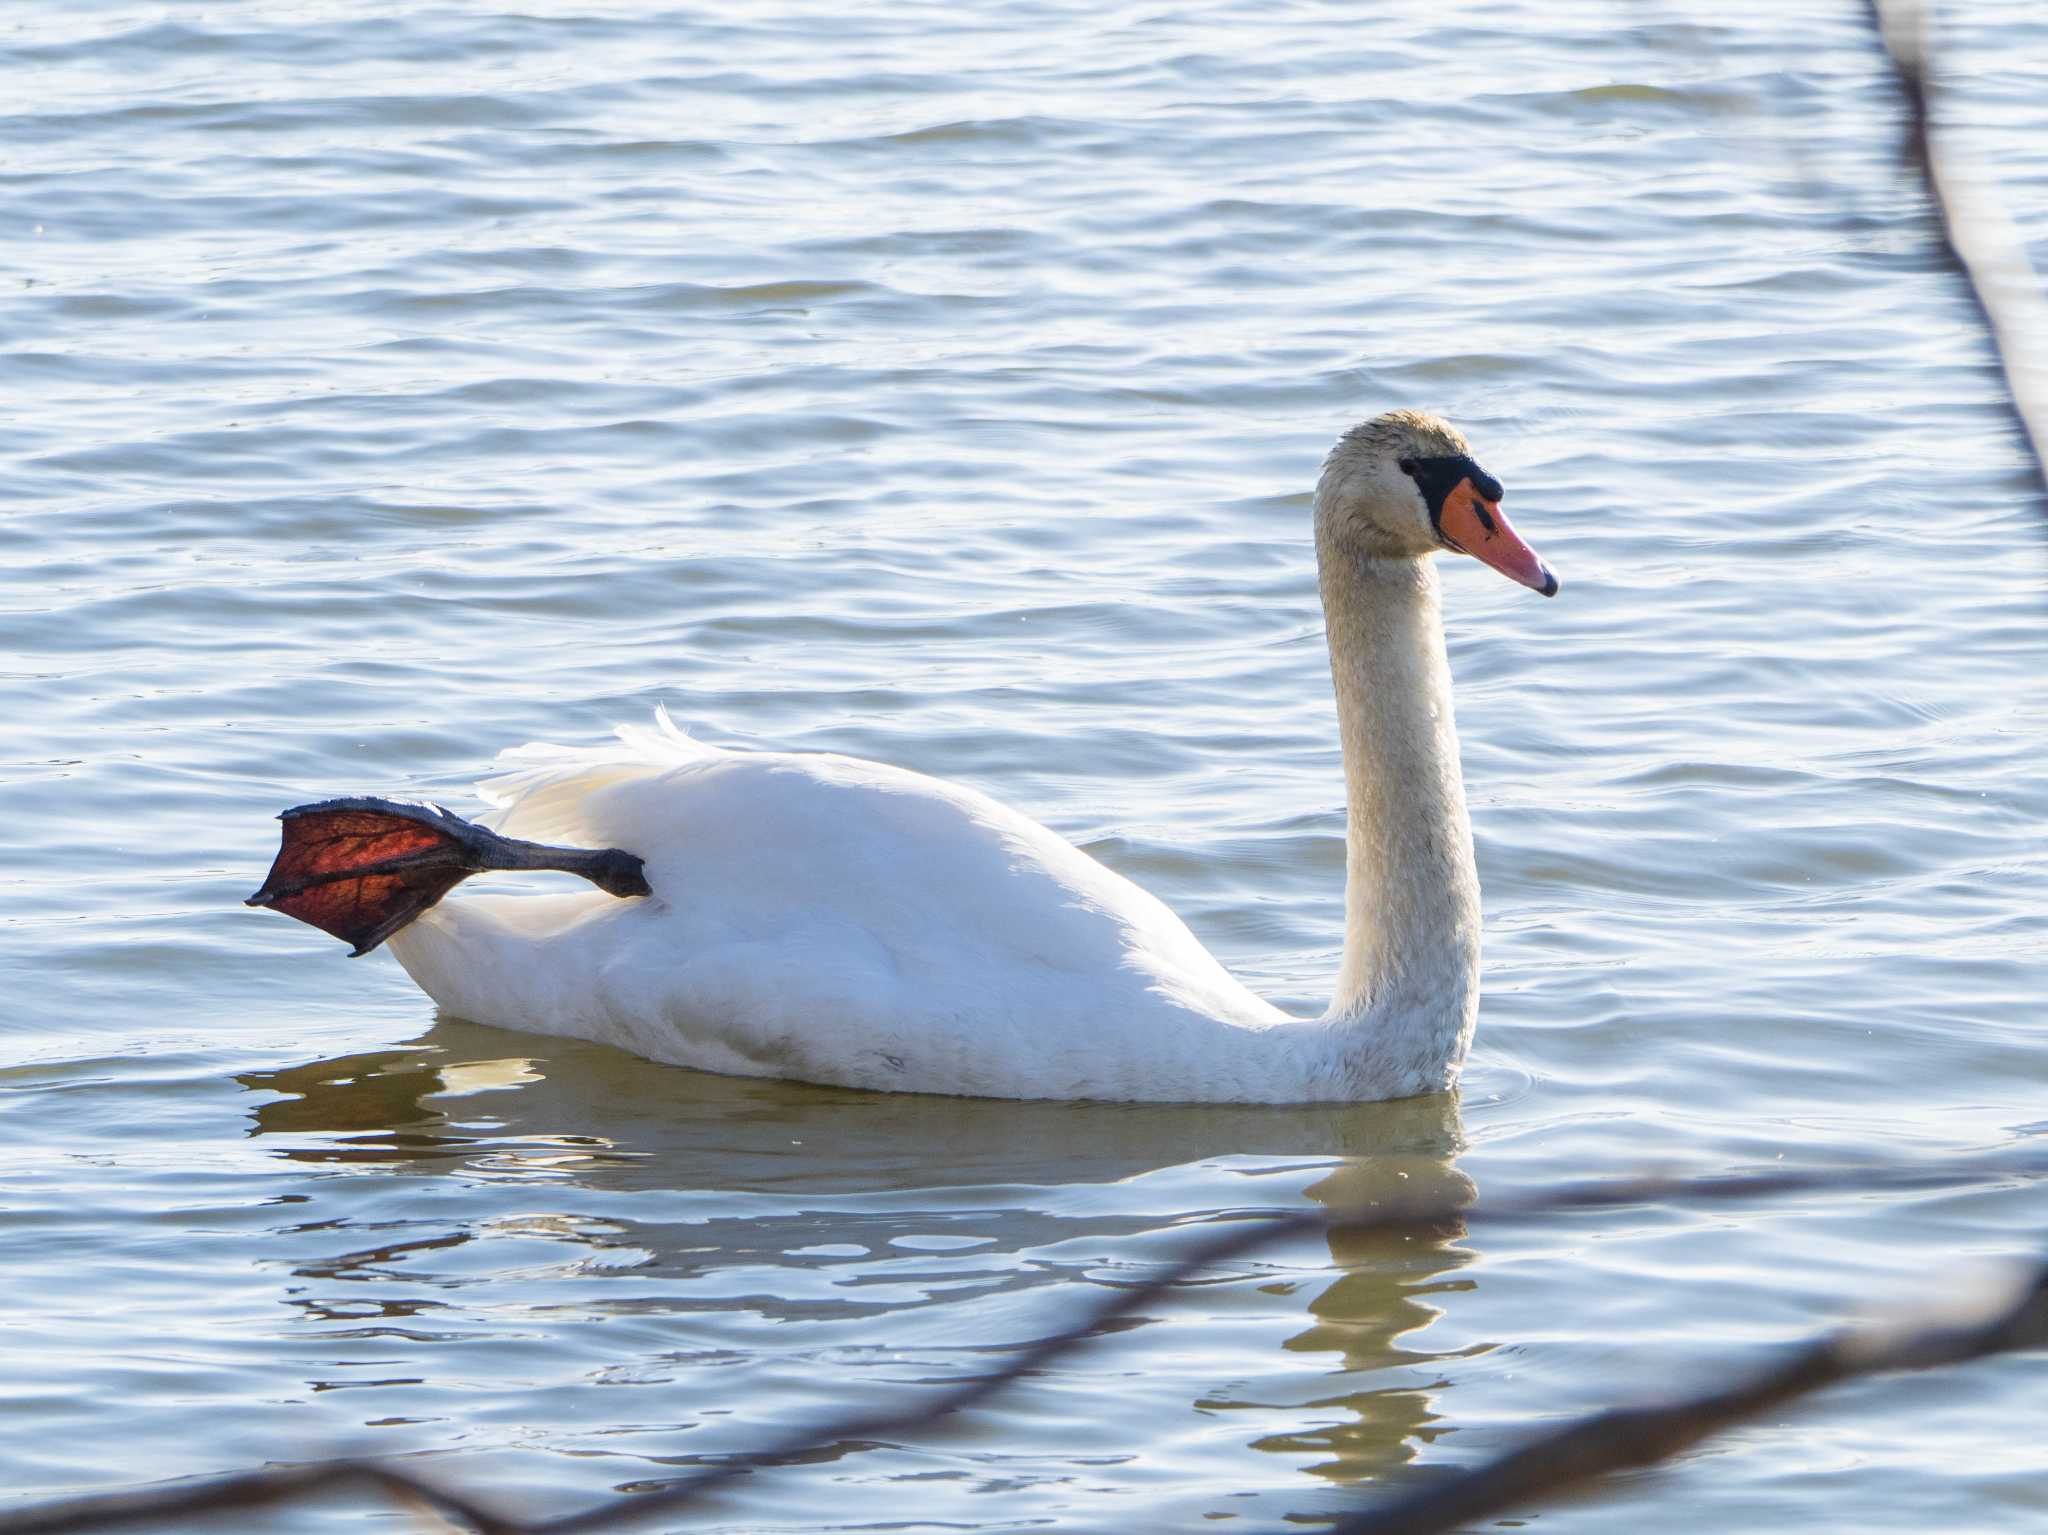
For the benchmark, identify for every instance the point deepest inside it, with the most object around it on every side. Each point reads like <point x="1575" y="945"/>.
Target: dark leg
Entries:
<point x="361" y="869"/>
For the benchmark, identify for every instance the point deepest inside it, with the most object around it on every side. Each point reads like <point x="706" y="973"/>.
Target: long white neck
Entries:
<point x="1407" y="996"/>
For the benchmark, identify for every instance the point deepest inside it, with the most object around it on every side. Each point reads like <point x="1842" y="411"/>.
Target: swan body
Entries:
<point x="839" y="921"/>
<point x="834" y="920"/>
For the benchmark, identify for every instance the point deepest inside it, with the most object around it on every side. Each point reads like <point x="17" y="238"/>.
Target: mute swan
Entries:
<point x="831" y="920"/>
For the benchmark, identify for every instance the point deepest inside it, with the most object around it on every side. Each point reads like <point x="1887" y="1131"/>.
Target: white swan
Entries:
<point x="832" y="920"/>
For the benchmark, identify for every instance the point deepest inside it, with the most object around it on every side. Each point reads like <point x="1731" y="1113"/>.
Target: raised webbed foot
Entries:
<point x="361" y="869"/>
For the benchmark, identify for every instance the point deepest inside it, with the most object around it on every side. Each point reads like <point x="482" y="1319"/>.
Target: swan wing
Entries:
<point x="838" y="920"/>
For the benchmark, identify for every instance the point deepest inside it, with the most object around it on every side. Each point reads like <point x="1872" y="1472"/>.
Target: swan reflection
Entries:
<point x="884" y="1225"/>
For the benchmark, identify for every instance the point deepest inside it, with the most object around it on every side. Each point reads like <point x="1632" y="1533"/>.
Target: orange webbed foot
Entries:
<point x="362" y="869"/>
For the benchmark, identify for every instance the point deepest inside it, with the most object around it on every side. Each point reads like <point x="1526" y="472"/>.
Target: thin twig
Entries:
<point x="1564" y="1461"/>
<point x="249" y="1490"/>
<point x="1239" y="1238"/>
<point x="1978" y="238"/>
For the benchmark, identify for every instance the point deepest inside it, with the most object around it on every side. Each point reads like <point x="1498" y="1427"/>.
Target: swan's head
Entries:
<point x="1405" y="485"/>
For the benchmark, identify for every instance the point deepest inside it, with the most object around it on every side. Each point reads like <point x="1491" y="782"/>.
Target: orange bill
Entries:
<point x="1477" y="525"/>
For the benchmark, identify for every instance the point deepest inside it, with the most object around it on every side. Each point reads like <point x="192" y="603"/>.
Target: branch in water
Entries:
<point x="1554" y="1464"/>
<point x="1562" y="1462"/>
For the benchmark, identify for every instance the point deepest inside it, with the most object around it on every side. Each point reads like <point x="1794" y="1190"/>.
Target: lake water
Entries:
<point x="384" y="386"/>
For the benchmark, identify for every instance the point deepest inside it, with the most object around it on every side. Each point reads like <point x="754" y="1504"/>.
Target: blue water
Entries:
<point x="945" y="384"/>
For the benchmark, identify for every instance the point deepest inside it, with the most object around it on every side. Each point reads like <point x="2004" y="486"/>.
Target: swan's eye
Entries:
<point x="1408" y="467"/>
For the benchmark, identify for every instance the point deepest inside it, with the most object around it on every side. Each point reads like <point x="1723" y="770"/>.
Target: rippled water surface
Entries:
<point x="383" y="386"/>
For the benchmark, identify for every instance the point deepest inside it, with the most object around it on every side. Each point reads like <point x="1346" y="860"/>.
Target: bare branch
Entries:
<point x="250" y="1490"/>
<point x="1978" y="238"/>
<point x="1628" y="1436"/>
<point x="1564" y="1461"/>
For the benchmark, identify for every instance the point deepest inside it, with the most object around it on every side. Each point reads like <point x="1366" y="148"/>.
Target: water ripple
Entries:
<point x="946" y="385"/>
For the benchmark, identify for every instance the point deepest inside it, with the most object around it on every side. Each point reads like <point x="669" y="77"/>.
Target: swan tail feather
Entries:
<point x="545" y="792"/>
